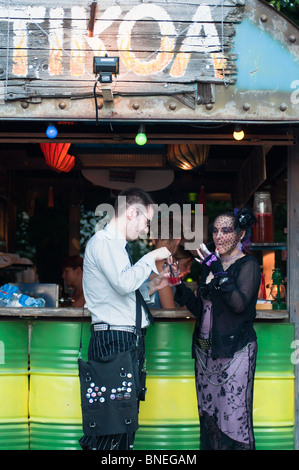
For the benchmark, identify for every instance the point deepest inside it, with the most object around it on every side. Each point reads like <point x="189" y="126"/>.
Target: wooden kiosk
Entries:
<point x="189" y="72"/>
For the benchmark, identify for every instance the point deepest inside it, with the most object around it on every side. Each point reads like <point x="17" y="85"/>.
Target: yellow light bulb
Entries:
<point x="238" y="133"/>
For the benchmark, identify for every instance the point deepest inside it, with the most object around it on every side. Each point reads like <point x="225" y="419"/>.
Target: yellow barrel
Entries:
<point x="14" y="431"/>
<point x="55" y="406"/>
<point x="274" y="387"/>
<point x="169" y="413"/>
<point x="169" y="416"/>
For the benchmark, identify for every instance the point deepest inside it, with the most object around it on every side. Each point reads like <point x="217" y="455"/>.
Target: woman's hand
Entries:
<point x="203" y="253"/>
<point x="210" y="260"/>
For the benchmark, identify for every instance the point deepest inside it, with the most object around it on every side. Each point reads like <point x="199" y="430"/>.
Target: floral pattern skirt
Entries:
<point x="225" y="395"/>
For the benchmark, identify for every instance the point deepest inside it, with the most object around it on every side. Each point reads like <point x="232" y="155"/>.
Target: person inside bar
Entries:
<point x="184" y="259"/>
<point x="164" y="298"/>
<point x="72" y="274"/>
<point x="224" y="340"/>
<point x="111" y="285"/>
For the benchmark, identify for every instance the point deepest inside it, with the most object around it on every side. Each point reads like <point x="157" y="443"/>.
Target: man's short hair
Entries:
<point x="133" y="196"/>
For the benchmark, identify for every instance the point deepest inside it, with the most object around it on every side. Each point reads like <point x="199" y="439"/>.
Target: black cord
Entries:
<point x="95" y="99"/>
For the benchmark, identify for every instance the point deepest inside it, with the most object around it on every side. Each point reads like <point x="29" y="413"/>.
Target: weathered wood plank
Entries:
<point x="85" y="89"/>
<point x="293" y="262"/>
<point x="161" y="42"/>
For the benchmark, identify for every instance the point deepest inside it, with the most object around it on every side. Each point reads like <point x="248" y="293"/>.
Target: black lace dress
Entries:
<point x="224" y="389"/>
<point x="225" y="367"/>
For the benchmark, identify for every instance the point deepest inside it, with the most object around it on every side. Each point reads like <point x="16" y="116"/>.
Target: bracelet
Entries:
<point x="220" y="272"/>
<point x="224" y="279"/>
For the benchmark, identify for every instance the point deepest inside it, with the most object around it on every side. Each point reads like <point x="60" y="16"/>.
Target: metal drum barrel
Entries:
<point x="14" y="433"/>
<point x="273" y="403"/>
<point x="169" y="417"/>
<point x="55" y="406"/>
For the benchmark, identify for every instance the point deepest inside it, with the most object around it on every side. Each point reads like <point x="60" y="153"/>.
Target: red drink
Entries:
<point x="263" y="228"/>
<point x="174" y="280"/>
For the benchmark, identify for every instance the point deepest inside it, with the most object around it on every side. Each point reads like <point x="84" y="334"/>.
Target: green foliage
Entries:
<point x="290" y="8"/>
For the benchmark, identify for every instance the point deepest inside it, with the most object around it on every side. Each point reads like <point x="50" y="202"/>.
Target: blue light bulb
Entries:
<point x="51" y="132"/>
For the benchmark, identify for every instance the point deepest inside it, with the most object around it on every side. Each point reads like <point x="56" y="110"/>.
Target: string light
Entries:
<point x="141" y="138"/>
<point x="238" y="133"/>
<point x="51" y="131"/>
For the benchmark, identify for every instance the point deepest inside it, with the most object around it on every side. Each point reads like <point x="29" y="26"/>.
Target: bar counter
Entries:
<point x="179" y="313"/>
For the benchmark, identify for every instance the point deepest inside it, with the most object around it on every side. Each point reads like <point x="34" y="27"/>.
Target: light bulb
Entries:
<point x="141" y="138"/>
<point x="51" y="131"/>
<point x="238" y="133"/>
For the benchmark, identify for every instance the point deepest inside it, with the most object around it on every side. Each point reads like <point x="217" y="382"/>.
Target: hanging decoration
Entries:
<point x="187" y="156"/>
<point x="50" y="197"/>
<point x="56" y="156"/>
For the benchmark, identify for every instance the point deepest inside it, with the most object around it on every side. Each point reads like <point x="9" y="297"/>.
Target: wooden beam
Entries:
<point x="153" y="138"/>
<point x="293" y="263"/>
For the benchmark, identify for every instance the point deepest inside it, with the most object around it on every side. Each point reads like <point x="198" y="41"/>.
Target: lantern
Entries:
<point x="278" y="290"/>
<point x="56" y="156"/>
<point x="187" y="156"/>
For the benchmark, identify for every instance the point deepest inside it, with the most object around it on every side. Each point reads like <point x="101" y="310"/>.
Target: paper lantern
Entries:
<point x="56" y="156"/>
<point x="187" y="156"/>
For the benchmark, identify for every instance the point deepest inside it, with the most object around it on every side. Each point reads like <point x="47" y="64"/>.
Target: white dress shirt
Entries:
<point x="109" y="280"/>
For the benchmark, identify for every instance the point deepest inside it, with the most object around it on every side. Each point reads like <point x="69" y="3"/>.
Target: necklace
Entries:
<point x="230" y="259"/>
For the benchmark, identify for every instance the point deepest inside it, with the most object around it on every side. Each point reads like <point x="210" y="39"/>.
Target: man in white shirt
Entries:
<point x="110" y="282"/>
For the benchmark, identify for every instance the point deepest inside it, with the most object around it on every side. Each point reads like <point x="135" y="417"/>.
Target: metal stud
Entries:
<point x="283" y="107"/>
<point x="62" y="105"/>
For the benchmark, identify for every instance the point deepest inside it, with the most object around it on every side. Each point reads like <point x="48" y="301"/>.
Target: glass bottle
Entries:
<point x="263" y="228"/>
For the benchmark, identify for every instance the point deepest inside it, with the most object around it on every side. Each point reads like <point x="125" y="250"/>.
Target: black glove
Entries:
<point x="214" y="263"/>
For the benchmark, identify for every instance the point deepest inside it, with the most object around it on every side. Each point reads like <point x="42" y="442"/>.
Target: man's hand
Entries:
<point x="158" y="282"/>
<point x="160" y="253"/>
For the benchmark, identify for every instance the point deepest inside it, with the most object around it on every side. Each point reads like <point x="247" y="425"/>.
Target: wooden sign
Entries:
<point x="47" y="49"/>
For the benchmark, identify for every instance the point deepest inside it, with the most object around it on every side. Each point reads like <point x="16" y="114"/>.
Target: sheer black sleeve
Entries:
<point x="241" y="288"/>
<point x="185" y="297"/>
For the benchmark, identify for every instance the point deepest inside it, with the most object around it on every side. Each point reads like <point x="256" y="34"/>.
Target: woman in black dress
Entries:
<point x="224" y="341"/>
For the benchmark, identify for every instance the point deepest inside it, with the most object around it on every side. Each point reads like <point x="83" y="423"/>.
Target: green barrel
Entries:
<point x="169" y="417"/>
<point x="14" y="431"/>
<point x="55" y="405"/>
<point x="55" y="436"/>
<point x="168" y="349"/>
<point x="169" y="413"/>
<point x="13" y="347"/>
<point x="274" y="438"/>
<point x="14" y="436"/>
<point x="274" y="349"/>
<point x="54" y="347"/>
<point x="273" y="403"/>
<point x="173" y="437"/>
